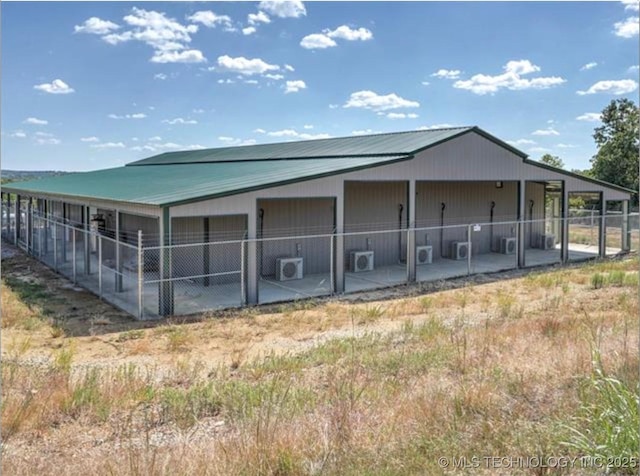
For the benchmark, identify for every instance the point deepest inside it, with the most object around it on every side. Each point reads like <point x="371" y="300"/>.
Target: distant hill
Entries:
<point x="22" y="175"/>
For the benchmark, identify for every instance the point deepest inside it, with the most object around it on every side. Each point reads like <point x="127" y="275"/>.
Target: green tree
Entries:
<point x="617" y="140"/>
<point x="552" y="160"/>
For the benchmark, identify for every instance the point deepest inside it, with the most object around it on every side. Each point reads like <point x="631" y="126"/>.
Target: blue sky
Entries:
<point x="91" y="85"/>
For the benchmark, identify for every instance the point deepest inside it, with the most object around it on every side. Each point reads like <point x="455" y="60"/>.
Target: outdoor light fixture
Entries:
<point x="499" y="184"/>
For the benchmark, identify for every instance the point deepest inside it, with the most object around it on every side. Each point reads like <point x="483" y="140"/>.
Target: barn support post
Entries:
<point x="470" y="248"/>
<point x="64" y="233"/>
<point x="118" y="277"/>
<point x="339" y="242"/>
<point x="411" y="233"/>
<point x="16" y="226"/>
<point x="99" y="265"/>
<point x="564" y="249"/>
<point x="9" y="235"/>
<point x="55" y="246"/>
<point x="332" y="279"/>
<point x="165" y="300"/>
<point x="206" y="259"/>
<point x="140" y="277"/>
<point x="47" y="226"/>
<point x="625" y="229"/>
<point x="243" y="276"/>
<point x="520" y="233"/>
<point x="252" y="256"/>
<point x="73" y="254"/>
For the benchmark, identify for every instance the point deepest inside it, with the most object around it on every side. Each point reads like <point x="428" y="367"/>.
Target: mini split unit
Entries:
<point x="289" y="268"/>
<point x="424" y="254"/>
<point x="547" y="242"/>
<point x="508" y="246"/>
<point x="361" y="261"/>
<point x="459" y="250"/>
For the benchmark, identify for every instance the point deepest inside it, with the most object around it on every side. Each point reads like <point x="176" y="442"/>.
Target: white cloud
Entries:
<point x="633" y="5"/>
<point x="245" y="66"/>
<point x="109" y="145"/>
<point x="375" y="102"/>
<point x="160" y="76"/>
<point x="333" y="106"/>
<point x="167" y="145"/>
<point x="57" y="86"/>
<point x="628" y="28"/>
<point x="401" y="115"/>
<point x="549" y="131"/>
<point x="256" y="18"/>
<point x="143" y="147"/>
<point x="259" y="131"/>
<point x="250" y="30"/>
<point x="198" y="111"/>
<point x="155" y="139"/>
<point x="48" y="141"/>
<point x="35" y="121"/>
<point x="89" y="139"/>
<point x="292" y="133"/>
<point x="634" y="69"/>
<point x="211" y="20"/>
<point x="511" y="79"/>
<point x="43" y="134"/>
<point x="566" y="146"/>
<point x="308" y="126"/>
<point x="250" y="81"/>
<point x="317" y="41"/>
<point x="179" y="120"/>
<point x="168" y="38"/>
<point x="275" y="77"/>
<point x="288" y="67"/>
<point x="96" y="26"/>
<point x="283" y="8"/>
<point x="588" y="66"/>
<point x="362" y="132"/>
<point x="18" y="135"/>
<point x="346" y="33"/>
<point x="425" y="83"/>
<point x="521" y="142"/>
<point x="195" y="147"/>
<point x="326" y="38"/>
<point x="539" y="149"/>
<point x="226" y="81"/>
<point x="136" y="115"/>
<point x="435" y="126"/>
<point x="294" y="86"/>
<point x="185" y="56"/>
<point x="589" y="117"/>
<point x="622" y="86"/>
<point x="447" y="74"/>
<point x="229" y="141"/>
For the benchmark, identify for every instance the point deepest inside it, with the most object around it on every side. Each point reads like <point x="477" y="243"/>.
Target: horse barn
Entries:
<point x="191" y="231"/>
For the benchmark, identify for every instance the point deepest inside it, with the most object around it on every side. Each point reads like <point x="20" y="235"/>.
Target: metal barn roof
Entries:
<point x="164" y="185"/>
<point x="397" y="143"/>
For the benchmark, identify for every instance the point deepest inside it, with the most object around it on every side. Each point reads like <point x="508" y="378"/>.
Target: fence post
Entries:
<point x="602" y="235"/>
<point x="55" y="246"/>
<point x="331" y="266"/>
<point x="99" y="266"/>
<point x="243" y="291"/>
<point x="73" y="253"/>
<point x="140" y="276"/>
<point x="470" y="246"/>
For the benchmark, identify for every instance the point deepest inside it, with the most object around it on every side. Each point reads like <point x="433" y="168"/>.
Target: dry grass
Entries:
<point x="326" y="388"/>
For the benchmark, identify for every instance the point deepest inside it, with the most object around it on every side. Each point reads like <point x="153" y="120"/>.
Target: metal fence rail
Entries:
<point x="179" y="279"/>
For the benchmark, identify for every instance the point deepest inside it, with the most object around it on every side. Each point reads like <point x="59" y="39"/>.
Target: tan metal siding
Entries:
<point x="296" y="217"/>
<point x="465" y="203"/>
<point x="371" y="206"/>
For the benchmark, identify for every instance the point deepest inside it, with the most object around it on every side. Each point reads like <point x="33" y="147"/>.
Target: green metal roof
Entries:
<point x="164" y="185"/>
<point x="397" y="143"/>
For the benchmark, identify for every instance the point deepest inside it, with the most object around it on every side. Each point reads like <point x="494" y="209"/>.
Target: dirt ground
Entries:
<point x="102" y="335"/>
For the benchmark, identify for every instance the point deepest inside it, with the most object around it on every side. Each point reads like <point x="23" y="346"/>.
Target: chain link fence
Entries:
<point x="180" y="279"/>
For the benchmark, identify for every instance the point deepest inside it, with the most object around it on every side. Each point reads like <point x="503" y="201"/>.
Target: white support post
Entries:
<point x="29" y="227"/>
<point x="565" y="224"/>
<point x="118" y="277"/>
<point x="243" y="277"/>
<point x="140" y="277"/>
<point x="16" y="225"/>
<point x="339" y="243"/>
<point x="411" y="233"/>
<point x="252" y="255"/>
<point x="331" y="266"/>
<point x="55" y="246"/>
<point x="520" y="227"/>
<point x="626" y="242"/>
<point x="602" y="235"/>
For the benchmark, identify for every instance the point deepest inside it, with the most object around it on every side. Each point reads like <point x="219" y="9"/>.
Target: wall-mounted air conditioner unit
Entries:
<point x="547" y="242"/>
<point x="459" y="250"/>
<point x="424" y="254"/>
<point x="361" y="261"/>
<point x="507" y="246"/>
<point x="288" y="269"/>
